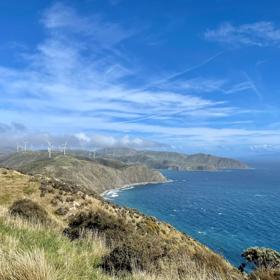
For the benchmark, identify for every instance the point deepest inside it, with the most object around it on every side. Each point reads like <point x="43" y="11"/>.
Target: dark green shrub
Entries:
<point x="30" y="210"/>
<point x="131" y="249"/>
<point x="262" y="257"/>
<point x="135" y="252"/>
<point x="113" y="228"/>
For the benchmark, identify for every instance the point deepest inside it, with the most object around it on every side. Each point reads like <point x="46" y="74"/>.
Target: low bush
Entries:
<point x="29" y="210"/>
<point x="135" y="253"/>
<point x="113" y="228"/>
<point x="262" y="257"/>
<point x="134" y="247"/>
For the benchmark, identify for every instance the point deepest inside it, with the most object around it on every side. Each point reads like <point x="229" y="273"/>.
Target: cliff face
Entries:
<point x="97" y="175"/>
<point x="171" y="160"/>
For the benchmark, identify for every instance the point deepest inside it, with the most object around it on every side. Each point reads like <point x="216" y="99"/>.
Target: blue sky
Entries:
<point x="192" y="76"/>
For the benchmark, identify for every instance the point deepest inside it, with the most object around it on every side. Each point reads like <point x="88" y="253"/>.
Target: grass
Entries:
<point x="25" y="265"/>
<point x="24" y="245"/>
<point x="34" y="251"/>
<point x="14" y="185"/>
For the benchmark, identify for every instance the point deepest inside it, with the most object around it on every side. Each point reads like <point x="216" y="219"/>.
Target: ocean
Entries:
<point x="228" y="210"/>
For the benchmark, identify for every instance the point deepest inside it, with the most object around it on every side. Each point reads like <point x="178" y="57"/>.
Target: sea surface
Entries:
<point x="228" y="211"/>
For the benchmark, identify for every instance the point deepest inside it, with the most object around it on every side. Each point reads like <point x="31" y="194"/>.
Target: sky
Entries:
<point x="181" y="75"/>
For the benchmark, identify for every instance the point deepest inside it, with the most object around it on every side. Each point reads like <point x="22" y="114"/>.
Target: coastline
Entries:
<point x="111" y="193"/>
<point x="114" y="192"/>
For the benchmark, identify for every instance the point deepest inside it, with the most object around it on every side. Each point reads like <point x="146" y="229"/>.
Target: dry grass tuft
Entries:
<point x="265" y="274"/>
<point x="20" y="265"/>
<point x="34" y="251"/>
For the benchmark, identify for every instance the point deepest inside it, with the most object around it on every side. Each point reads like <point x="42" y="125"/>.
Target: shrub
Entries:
<point x="131" y="248"/>
<point x="29" y="210"/>
<point x="262" y="257"/>
<point x="134" y="253"/>
<point x="112" y="227"/>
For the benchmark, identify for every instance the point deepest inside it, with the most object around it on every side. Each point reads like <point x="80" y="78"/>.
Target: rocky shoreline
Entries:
<point x="130" y="186"/>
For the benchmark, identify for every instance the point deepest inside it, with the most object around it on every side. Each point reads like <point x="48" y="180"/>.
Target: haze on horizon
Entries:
<point x="185" y="76"/>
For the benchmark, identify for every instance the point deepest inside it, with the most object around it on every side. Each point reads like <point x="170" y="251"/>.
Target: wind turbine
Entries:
<point x="50" y="149"/>
<point x="64" y="147"/>
<point x="25" y="146"/>
<point x="18" y="147"/>
<point x="92" y="153"/>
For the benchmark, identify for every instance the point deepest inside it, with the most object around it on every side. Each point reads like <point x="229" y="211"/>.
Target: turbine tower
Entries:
<point x="25" y="146"/>
<point x="50" y="149"/>
<point x="64" y="147"/>
<point x="92" y="153"/>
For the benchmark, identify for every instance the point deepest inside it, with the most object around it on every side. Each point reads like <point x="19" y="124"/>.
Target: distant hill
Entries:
<point x="98" y="175"/>
<point x="172" y="160"/>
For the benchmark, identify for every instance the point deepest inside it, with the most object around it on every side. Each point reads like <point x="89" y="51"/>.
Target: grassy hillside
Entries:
<point x="172" y="160"/>
<point x="51" y="230"/>
<point x="98" y="175"/>
<point x="117" y="238"/>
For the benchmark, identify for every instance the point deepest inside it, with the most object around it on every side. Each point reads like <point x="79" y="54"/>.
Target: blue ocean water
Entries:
<point x="228" y="211"/>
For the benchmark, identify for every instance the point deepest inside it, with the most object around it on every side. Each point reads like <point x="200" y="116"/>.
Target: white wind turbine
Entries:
<point x="25" y="146"/>
<point x="92" y="153"/>
<point x="64" y="147"/>
<point x="50" y="149"/>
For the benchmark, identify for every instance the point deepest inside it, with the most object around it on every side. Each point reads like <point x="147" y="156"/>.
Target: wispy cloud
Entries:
<point x="261" y="34"/>
<point x="107" y="34"/>
<point x="77" y="83"/>
<point x="66" y="76"/>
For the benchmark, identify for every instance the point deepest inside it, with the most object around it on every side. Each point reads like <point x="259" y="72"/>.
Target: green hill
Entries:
<point x="98" y="175"/>
<point x="172" y="160"/>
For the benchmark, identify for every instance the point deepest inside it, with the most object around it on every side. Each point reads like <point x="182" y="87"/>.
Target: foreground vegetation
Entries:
<point x="51" y="231"/>
<point x="34" y="251"/>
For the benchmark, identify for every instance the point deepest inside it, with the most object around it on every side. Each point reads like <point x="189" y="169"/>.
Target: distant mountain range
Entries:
<point x="171" y="160"/>
<point x="97" y="175"/>
<point x="113" y="168"/>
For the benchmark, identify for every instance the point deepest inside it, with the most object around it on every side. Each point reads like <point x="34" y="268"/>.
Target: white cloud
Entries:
<point x="64" y="18"/>
<point x="82" y="137"/>
<point x="61" y="80"/>
<point x="72" y="84"/>
<point x="261" y="34"/>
